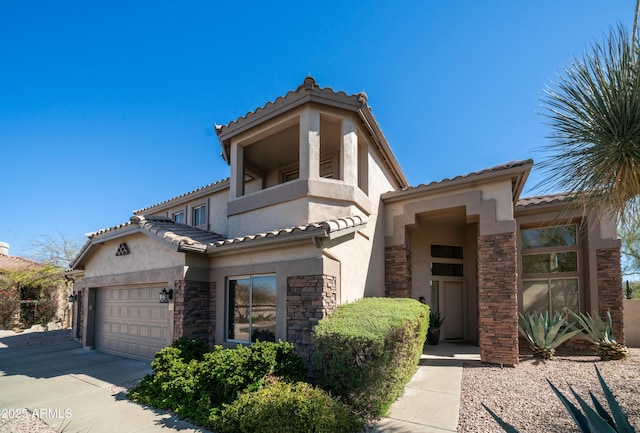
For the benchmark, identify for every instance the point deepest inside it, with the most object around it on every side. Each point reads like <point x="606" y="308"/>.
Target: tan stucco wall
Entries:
<point x="145" y="254"/>
<point x="501" y="192"/>
<point x="217" y="213"/>
<point x="490" y="204"/>
<point x="292" y="213"/>
<point x="632" y="322"/>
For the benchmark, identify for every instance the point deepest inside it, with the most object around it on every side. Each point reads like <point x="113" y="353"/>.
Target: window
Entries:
<point x="290" y="175"/>
<point x="251" y="308"/>
<point x="326" y="171"/>
<point x="449" y="263"/>
<point x="550" y="269"/>
<point x="179" y="217"/>
<point x="550" y="262"/>
<point x="199" y="216"/>
<point x="549" y="237"/>
<point x="553" y="295"/>
<point x="446" y="252"/>
<point x="447" y="269"/>
<point x="435" y="296"/>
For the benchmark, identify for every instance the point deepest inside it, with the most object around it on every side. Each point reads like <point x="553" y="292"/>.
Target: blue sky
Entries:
<point x="109" y="107"/>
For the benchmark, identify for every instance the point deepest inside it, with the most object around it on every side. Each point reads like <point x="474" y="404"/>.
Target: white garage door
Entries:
<point x="130" y="321"/>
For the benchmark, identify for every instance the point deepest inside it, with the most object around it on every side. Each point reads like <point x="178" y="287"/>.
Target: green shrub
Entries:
<point x="545" y="334"/>
<point x="600" y="333"/>
<point x="195" y="385"/>
<point x="366" y="352"/>
<point x="287" y="408"/>
<point x="190" y="348"/>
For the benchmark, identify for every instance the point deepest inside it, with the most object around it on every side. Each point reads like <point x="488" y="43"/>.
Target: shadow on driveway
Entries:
<point x="69" y="387"/>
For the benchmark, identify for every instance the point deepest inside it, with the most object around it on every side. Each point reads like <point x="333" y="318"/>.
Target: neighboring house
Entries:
<point x="25" y="312"/>
<point x="316" y="213"/>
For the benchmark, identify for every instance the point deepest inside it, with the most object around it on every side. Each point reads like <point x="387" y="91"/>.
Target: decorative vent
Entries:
<point x="123" y="250"/>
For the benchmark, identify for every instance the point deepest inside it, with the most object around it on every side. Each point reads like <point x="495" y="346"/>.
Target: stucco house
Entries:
<point x="317" y="212"/>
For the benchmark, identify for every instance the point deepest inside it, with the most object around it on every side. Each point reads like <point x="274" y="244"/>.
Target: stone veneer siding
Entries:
<point x="191" y="317"/>
<point x="397" y="271"/>
<point x="310" y="298"/>
<point x="610" y="295"/>
<point x="498" y="298"/>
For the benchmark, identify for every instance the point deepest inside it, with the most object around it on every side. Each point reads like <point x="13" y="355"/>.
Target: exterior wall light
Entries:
<point x="73" y="297"/>
<point x="166" y="295"/>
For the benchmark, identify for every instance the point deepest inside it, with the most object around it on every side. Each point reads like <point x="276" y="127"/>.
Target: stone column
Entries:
<point x="397" y="271"/>
<point x="498" y="298"/>
<point x="310" y="298"/>
<point x="191" y="309"/>
<point x="610" y="296"/>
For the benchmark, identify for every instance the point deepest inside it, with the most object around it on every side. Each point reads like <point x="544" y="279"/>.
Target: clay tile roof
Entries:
<point x="495" y="169"/>
<point x="181" y="235"/>
<point x="330" y="228"/>
<point x="209" y="186"/>
<point x="309" y="84"/>
<point x="10" y="262"/>
<point x="543" y="199"/>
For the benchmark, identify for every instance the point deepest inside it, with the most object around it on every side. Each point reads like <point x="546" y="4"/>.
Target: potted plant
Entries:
<point x="435" y="322"/>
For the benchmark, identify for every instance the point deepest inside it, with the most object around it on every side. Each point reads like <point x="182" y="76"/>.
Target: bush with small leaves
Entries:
<point x="282" y="407"/>
<point x="195" y="385"/>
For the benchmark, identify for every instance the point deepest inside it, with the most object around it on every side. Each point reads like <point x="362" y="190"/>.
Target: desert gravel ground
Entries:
<point x="522" y="397"/>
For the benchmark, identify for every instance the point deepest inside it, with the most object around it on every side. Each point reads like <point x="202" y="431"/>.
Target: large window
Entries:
<point x="251" y="308"/>
<point x="550" y="269"/>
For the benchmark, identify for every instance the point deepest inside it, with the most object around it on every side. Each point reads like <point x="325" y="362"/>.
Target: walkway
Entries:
<point x="431" y="400"/>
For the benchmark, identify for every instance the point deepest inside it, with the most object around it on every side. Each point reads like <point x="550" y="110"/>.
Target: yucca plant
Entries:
<point x="544" y="334"/>
<point x="588" y="419"/>
<point x="599" y="332"/>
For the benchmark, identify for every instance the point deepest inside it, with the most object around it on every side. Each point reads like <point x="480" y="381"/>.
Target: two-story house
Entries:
<point x="317" y="212"/>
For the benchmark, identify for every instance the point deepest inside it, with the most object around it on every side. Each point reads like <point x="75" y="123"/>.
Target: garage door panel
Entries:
<point x="130" y="322"/>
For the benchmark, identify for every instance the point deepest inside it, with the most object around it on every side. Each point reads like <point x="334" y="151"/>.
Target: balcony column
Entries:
<point x="310" y="144"/>
<point x="349" y="150"/>
<point x="237" y="171"/>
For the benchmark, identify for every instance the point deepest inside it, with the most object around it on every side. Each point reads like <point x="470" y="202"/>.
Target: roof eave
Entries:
<point x="374" y="129"/>
<point x="281" y="106"/>
<point x="267" y="241"/>
<point x="517" y="174"/>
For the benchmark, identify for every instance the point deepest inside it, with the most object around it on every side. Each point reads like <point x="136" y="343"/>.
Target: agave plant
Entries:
<point x="544" y="334"/>
<point x="599" y="332"/>
<point x="588" y="419"/>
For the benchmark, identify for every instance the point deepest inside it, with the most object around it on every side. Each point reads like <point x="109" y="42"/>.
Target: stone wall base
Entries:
<point x="310" y="298"/>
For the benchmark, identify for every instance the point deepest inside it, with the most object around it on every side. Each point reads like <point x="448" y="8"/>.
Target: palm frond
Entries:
<point x="594" y="115"/>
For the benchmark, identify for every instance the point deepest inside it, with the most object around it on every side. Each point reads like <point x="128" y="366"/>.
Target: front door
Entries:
<point x="453" y="328"/>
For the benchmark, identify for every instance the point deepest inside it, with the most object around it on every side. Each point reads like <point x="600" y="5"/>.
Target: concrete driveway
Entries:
<point x="47" y="376"/>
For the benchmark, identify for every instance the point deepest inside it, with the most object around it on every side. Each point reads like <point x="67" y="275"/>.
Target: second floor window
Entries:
<point x="199" y="216"/>
<point x="179" y="217"/>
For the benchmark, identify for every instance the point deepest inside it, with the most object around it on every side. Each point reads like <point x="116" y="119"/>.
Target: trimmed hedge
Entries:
<point x="367" y="351"/>
<point x="287" y="408"/>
